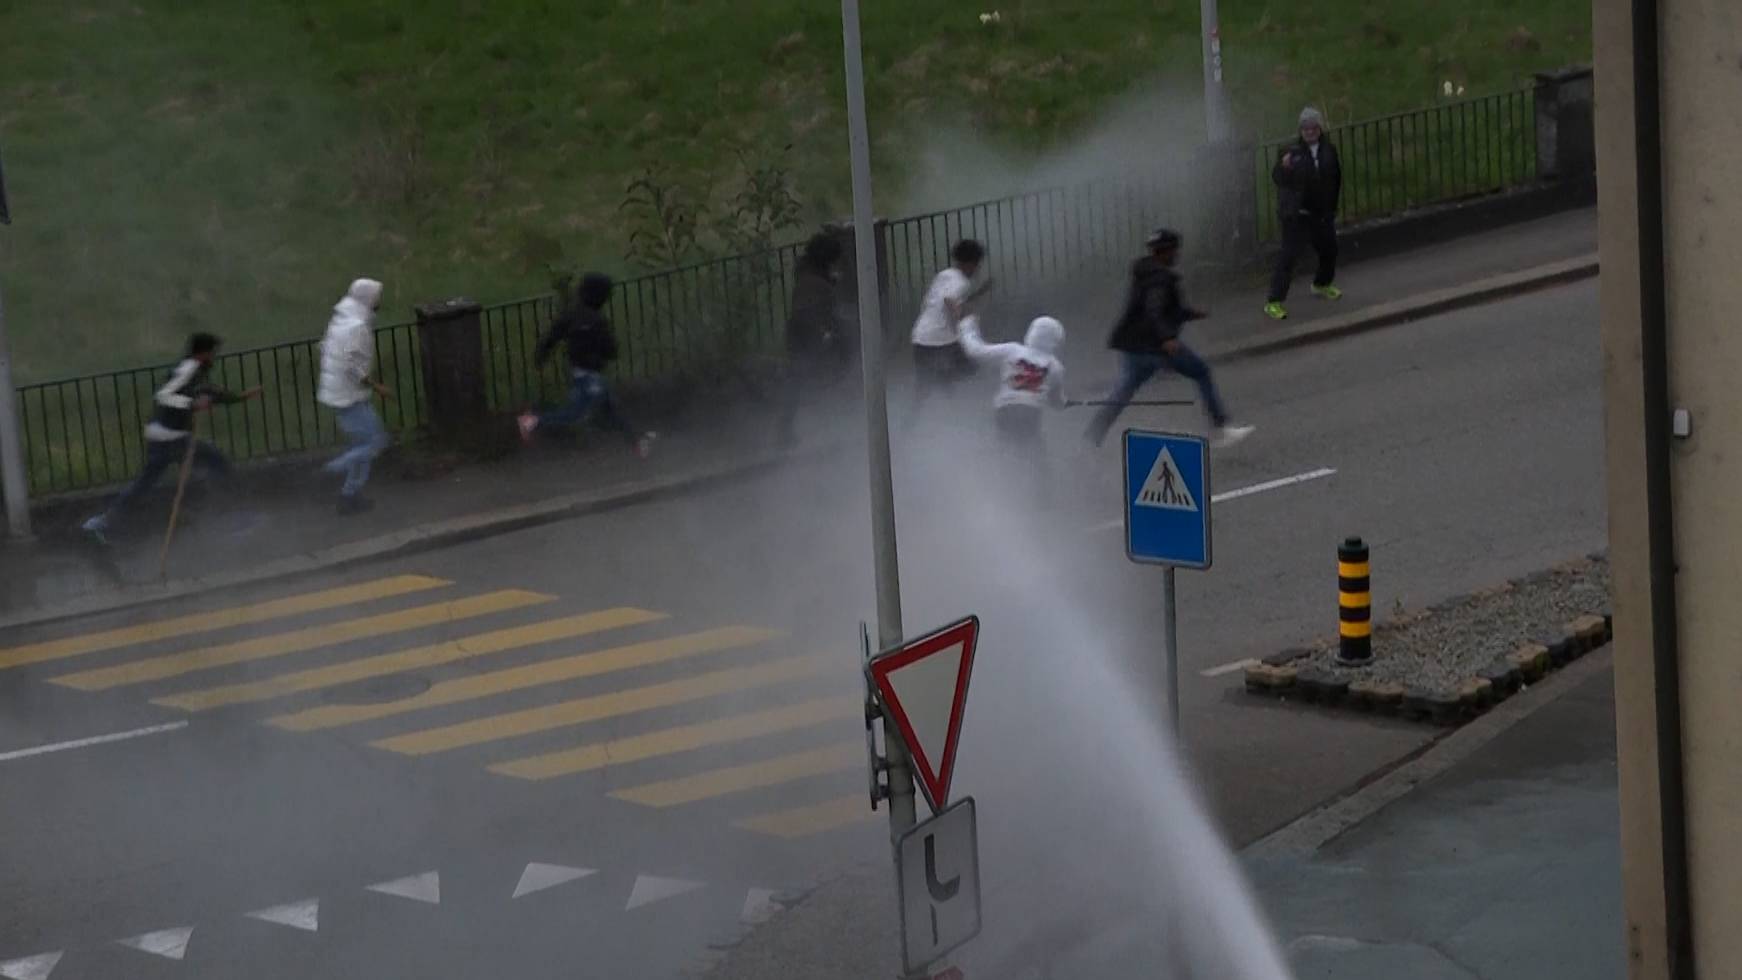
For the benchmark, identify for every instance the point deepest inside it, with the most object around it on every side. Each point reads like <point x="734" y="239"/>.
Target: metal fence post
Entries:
<point x="13" y="479"/>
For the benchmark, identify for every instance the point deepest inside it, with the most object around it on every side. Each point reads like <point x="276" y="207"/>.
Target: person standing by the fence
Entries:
<point x="938" y="359"/>
<point x="187" y="391"/>
<point x="1309" y="183"/>
<point x="346" y="386"/>
<point x="1147" y="338"/>
<point x="585" y="330"/>
<point x="815" y="348"/>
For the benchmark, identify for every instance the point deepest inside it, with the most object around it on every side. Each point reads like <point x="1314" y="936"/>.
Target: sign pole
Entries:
<point x="1170" y="616"/>
<point x="13" y="482"/>
<point x="889" y="629"/>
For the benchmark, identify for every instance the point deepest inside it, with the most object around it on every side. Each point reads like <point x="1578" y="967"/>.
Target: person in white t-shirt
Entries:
<point x="938" y="359"/>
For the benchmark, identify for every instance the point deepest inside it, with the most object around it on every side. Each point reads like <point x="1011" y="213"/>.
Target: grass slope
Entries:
<point x="231" y="164"/>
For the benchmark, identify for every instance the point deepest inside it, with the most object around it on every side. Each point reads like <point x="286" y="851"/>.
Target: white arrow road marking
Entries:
<point x="426" y="887"/>
<point x="168" y="943"/>
<point x="759" y="906"/>
<point x="649" y="889"/>
<point x="538" y="877"/>
<point x="304" y="915"/>
<point x="31" y="967"/>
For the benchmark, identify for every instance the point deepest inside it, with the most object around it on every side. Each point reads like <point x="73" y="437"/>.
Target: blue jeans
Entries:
<point x="589" y="399"/>
<point x="161" y="457"/>
<point x="368" y="438"/>
<point x="1136" y="369"/>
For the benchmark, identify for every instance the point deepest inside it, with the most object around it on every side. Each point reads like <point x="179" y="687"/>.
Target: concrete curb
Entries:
<point x="1413" y="308"/>
<point x="428" y="537"/>
<point x="1304" y="836"/>
<point x="412" y="540"/>
<point x="1277" y="677"/>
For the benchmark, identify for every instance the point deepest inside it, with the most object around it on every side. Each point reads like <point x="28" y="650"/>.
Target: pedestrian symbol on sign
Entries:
<point x="1164" y="488"/>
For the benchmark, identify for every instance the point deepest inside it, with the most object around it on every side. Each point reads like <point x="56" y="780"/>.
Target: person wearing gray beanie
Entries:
<point x="1309" y="184"/>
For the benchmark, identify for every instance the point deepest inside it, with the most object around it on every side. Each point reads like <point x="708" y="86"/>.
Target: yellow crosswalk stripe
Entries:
<point x="601" y="706"/>
<point x="206" y="622"/>
<point x="756" y="775"/>
<point x="533" y="675"/>
<point x="298" y="641"/>
<point x="804" y="821"/>
<point x="417" y="658"/>
<point x="670" y="741"/>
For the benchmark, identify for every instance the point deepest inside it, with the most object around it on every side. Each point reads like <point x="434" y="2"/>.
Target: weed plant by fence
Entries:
<point x="720" y="323"/>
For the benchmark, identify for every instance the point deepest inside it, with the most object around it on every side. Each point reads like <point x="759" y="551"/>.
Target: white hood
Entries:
<point x="348" y="350"/>
<point x="1045" y="334"/>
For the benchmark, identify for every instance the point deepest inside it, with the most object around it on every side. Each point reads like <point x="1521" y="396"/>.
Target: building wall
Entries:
<point x="1701" y="115"/>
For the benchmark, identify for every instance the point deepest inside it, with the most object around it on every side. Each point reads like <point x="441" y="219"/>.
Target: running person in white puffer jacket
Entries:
<point x="346" y="383"/>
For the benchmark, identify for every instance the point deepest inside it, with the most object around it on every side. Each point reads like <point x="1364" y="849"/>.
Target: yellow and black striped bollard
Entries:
<point x="1354" y="603"/>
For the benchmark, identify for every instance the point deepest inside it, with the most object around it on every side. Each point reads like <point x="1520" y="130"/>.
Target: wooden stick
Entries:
<point x="1135" y="403"/>
<point x="181" y="485"/>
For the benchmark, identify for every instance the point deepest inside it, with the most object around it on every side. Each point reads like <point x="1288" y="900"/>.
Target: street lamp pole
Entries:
<point x="1218" y="118"/>
<point x="12" y="478"/>
<point x="889" y="629"/>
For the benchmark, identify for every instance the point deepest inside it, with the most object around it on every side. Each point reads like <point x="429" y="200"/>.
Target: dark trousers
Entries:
<point x="160" y="457"/>
<point x="1320" y="233"/>
<point x="1136" y="369"/>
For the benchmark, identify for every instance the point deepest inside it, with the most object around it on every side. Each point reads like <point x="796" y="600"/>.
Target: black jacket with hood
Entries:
<point x="1306" y="190"/>
<point x="584" y="327"/>
<point x="1155" y="312"/>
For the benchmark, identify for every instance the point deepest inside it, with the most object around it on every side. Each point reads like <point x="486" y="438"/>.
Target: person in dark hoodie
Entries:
<point x="815" y="341"/>
<point x="1309" y="185"/>
<point x="585" y="330"/>
<point x="1147" y="338"/>
<point x="188" y="390"/>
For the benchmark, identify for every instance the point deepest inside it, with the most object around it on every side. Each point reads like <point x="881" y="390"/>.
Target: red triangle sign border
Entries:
<point x="934" y="780"/>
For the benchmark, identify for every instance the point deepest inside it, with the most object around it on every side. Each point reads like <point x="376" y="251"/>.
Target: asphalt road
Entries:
<point x="665" y="697"/>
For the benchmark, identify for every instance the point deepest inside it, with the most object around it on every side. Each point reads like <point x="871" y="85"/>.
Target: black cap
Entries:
<point x="1163" y="238"/>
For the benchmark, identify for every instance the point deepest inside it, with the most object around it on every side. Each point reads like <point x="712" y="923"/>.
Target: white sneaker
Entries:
<point x="528" y="425"/>
<point x="1230" y="435"/>
<point x="644" y="445"/>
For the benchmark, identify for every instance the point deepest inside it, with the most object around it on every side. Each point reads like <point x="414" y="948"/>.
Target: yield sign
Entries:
<point x="923" y="684"/>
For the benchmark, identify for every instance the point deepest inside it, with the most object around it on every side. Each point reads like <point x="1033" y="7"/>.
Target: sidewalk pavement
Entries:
<point x="1504" y="866"/>
<point x="1502" y="863"/>
<point x="280" y="520"/>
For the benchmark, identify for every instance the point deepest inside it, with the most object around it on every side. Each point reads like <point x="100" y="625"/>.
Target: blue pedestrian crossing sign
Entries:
<point x="1167" y="499"/>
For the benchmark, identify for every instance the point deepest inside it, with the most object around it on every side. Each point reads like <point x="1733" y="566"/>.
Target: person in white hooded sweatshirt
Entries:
<point x="1031" y="380"/>
<point x="346" y="385"/>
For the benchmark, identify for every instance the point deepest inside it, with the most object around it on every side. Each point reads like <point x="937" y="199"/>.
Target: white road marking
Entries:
<point x="168" y="943"/>
<point x="1228" y="668"/>
<point x="538" y="877"/>
<point x="31" y="967"/>
<point x="304" y="915"/>
<point x="1265" y="487"/>
<point x="426" y="887"/>
<point x="93" y="740"/>
<point x="649" y="889"/>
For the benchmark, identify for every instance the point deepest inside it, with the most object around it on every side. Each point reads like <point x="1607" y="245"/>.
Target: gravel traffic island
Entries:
<point x="1452" y="661"/>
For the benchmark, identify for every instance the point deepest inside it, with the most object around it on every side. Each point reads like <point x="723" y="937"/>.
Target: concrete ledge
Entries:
<point x="1418" y="307"/>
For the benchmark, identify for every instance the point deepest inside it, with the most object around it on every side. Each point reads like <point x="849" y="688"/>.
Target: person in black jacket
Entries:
<point x="1309" y="184"/>
<point x="815" y="341"/>
<point x="188" y="390"/>
<point x="1147" y="338"/>
<point x="582" y="326"/>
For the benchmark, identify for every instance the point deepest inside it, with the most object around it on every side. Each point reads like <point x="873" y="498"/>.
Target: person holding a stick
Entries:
<point x="1031" y="380"/>
<point x="939" y="361"/>
<point x="347" y="386"/>
<point x="169" y="436"/>
<point x="1147" y="338"/>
